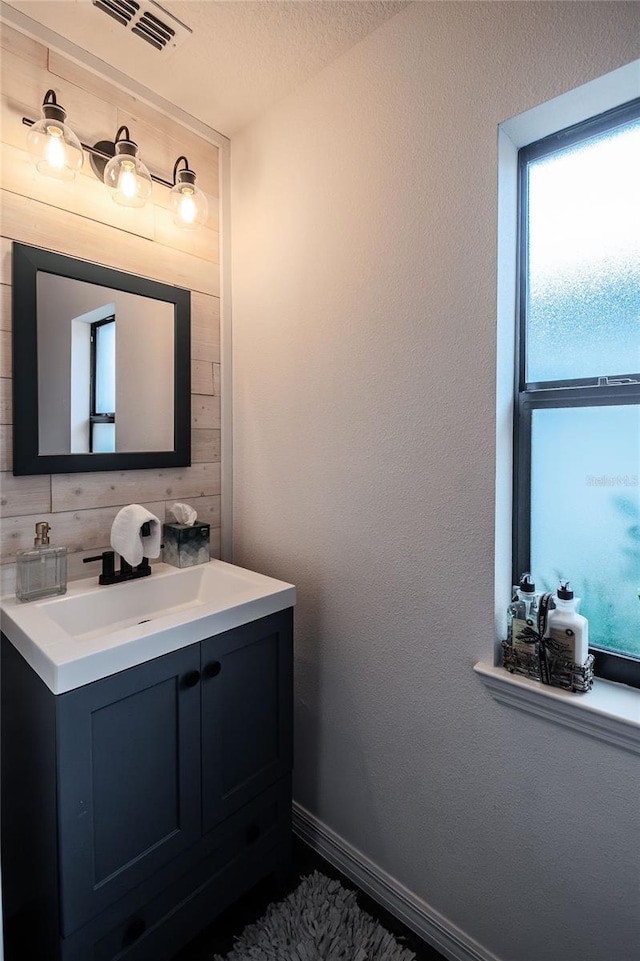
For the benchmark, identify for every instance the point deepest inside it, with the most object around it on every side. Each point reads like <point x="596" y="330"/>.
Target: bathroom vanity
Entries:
<point x="138" y="804"/>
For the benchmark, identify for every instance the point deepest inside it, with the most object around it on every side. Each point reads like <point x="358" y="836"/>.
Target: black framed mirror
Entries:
<point x="101" y="367"/>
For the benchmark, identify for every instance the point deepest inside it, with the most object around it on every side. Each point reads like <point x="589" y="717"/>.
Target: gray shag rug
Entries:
<point x="319" y="921"/>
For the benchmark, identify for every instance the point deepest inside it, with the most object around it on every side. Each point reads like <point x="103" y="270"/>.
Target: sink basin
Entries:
<point x="99" y="610"/>
<point x="92" y="631"/>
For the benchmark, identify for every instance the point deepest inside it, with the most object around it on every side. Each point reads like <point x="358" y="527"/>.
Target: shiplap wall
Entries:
<point x="80" y="219"/>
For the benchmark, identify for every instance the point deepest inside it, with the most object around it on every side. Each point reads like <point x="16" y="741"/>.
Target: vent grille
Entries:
<point x="147" y="20"/>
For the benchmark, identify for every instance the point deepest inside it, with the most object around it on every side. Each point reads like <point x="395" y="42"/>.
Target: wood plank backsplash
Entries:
<point x="79" y="219"/>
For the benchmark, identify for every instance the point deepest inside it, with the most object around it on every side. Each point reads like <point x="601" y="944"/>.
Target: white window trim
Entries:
<point x="610" y="712"/>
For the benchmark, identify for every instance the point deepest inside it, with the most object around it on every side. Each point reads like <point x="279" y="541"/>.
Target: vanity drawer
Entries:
<point x="249" y="846"/>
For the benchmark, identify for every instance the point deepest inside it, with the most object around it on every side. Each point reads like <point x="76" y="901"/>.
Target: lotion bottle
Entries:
<point x="41" y="571"/>
<point x="567" y="627"/>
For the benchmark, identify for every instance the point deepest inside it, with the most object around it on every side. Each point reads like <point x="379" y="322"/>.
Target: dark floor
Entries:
<point x="219" y="937"/>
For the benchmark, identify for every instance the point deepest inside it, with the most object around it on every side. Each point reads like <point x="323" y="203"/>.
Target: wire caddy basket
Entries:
<point x="557" y="671"/>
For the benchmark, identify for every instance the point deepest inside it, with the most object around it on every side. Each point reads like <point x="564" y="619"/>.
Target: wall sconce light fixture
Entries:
<point x="124" y="174"/>
<point x="56" y="150"/>
<point x="58" y="153"/>
<point x="188" y="203"/>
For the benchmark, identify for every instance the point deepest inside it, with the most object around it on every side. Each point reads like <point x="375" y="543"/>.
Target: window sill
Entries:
<point x="609" y="712"/>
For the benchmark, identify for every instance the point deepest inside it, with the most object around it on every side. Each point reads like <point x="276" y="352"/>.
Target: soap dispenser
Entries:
<point x="522" y="614"/>
<point x="41" y="571"/>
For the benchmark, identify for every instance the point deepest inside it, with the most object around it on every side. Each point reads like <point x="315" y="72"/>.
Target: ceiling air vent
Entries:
<point x="147" y="20"/>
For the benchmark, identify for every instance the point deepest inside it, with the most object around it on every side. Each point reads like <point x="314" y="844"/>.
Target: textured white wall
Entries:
<point x="364" y="276"/>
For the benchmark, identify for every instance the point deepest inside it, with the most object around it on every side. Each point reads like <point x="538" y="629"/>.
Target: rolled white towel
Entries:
<point x="127" y="539"/>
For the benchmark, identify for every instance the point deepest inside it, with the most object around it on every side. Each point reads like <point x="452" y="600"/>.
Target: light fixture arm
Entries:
<point x="175" y="168"/>
<point x="187" y="176"/>
<point x="51" y="108"/>
<point x="126" y="136"/>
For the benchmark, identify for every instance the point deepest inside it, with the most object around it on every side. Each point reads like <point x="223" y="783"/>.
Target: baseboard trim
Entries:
<point x="418" y="916"/>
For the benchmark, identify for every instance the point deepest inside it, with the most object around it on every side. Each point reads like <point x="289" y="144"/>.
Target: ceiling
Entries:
<point x="241" y="57"/>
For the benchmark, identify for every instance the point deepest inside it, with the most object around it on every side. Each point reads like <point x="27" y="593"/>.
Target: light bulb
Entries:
<point x="127" y="181"/>
<point x="187" y="210"/>
<point x="55" y="153"/>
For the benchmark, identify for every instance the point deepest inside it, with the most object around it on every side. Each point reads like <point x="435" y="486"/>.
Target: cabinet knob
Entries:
<point x="191" y="679"/>
<point x="213" y="669"/>
<point x="134" y="930"/>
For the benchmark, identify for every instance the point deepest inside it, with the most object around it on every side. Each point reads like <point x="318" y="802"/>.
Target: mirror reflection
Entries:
<point x="105" y="369"/>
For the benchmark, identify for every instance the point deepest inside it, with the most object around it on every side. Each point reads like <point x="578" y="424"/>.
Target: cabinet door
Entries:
<point x="129" y="780"/>
<point x="246" y="713"/>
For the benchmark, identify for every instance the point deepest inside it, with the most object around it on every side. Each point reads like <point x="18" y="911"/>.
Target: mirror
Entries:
<point x="102" y="371"/>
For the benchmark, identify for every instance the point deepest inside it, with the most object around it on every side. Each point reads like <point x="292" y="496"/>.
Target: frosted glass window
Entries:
<point x="585" y="515"/>
<point x="104" y="438"/>
<point x="577" y="453"/>
<point x="105" y="368"/>
<point x="583" y="259"/>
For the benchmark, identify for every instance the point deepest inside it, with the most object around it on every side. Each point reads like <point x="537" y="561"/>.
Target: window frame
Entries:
<point x="94" y="416"/>
<point x="576" y="392"/>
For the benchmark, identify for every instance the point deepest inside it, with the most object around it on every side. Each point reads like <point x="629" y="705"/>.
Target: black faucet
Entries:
<point x="109" y="574"/>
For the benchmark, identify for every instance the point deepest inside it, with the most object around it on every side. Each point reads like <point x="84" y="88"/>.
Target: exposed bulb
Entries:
<point x="128" y="184"/>
<point x="55" y="152"/>
<point x="187" y="210"/>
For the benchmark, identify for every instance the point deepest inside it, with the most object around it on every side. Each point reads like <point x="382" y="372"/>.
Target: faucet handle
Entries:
<point x="108" y="559"/>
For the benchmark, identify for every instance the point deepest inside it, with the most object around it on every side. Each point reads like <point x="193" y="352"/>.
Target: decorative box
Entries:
<point x="186" y="545"/>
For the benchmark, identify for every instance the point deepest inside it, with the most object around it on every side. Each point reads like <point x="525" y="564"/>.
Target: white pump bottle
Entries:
<point x="567" y="627"/>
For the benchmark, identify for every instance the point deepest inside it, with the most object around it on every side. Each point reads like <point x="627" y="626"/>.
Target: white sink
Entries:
<point x="92" y="631"/>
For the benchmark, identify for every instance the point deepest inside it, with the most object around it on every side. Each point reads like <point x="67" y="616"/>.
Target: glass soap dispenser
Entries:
<point x="41" y="571"/>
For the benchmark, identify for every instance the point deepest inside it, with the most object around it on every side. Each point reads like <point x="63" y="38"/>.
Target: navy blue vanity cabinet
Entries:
<point x="136" y="808"/>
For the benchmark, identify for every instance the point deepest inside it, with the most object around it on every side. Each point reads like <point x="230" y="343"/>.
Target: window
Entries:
<point x="577" y="419"/>
<point x="102" y="415"/>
